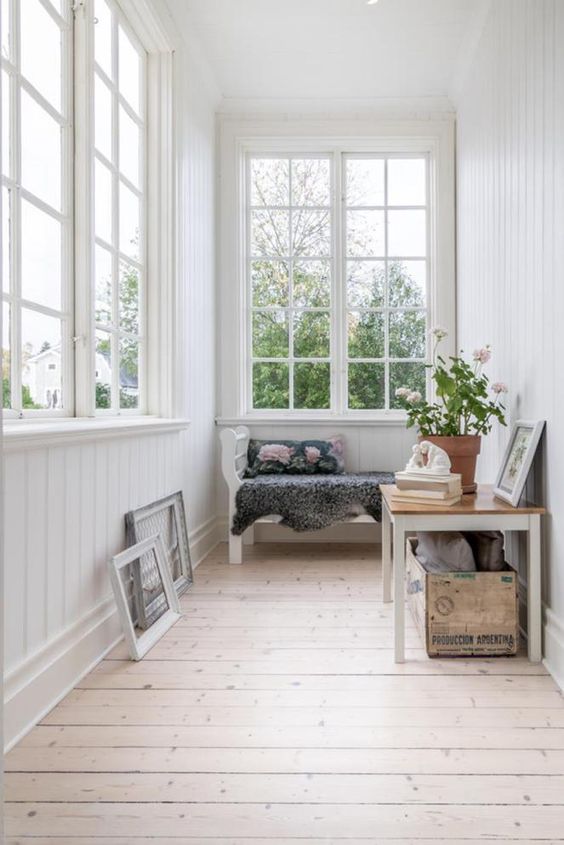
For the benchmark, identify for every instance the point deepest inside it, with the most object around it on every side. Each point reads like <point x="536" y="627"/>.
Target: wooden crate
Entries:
<point x="460" y="614"/>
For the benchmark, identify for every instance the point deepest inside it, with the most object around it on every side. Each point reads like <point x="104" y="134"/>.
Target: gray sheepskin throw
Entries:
<point x="308" y="502"/>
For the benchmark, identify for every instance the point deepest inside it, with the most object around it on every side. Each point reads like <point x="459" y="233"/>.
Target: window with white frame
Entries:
<point x="120" y="209"/>
<point x="49" y="117"/>
<point x="36" y="206"/>
<point x="337" y="279"/>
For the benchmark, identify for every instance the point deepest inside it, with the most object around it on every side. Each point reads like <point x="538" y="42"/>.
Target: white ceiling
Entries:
<point x="332" y="49"/>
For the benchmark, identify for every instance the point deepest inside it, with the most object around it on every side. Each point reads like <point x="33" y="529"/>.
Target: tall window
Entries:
<point x="44" y="236"/>
<point x="337" y="280"/>
<point x="36" y="205"/>
<point x="119" y="178"/>
<point x="290" y="270"/>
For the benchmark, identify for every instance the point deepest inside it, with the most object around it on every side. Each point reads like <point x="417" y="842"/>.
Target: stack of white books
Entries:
<point x="426" y="490"/>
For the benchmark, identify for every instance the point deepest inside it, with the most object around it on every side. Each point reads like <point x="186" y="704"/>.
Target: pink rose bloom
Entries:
<point x="337" y="445"/>
<point x="482" y="355"/>
<point x="312" y="454"/>
<point x="414" y="397"/>
<point x="403" y="392"/>
<point x="276" y="452"/>
<point x="499" y="387"/>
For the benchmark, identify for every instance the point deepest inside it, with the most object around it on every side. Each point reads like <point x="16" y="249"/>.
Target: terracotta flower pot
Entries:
<point x="463" y="452"/>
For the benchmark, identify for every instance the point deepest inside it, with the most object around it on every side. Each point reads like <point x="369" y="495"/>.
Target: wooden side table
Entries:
<point x="479" y="512"/>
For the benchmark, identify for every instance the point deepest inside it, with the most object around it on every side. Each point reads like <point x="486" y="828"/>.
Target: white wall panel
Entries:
<point x="65" y="504"/>
<point x="510" y="146"/>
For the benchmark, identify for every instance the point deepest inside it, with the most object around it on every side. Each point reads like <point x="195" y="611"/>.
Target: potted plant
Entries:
<point x="466" y="408"/>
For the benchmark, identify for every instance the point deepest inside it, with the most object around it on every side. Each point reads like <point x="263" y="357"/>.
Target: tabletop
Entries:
<point x="481" y="502"/>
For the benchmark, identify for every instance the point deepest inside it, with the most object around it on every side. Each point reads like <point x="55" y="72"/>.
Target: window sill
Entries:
<point x="36" y="434"/>
<point x="391" y="418"/>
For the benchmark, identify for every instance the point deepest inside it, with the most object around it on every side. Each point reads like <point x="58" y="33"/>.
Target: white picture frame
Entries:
<point x="166" y="517"/>
<point x="517" y="460"/>
<point x="139" y="645"/>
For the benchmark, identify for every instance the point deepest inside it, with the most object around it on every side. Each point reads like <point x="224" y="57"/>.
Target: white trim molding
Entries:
<point x="37" y="435"/>
<point x="554" y="646"/>
<point x="238" y="138"/>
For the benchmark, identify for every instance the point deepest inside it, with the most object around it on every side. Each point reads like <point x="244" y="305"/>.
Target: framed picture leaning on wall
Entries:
<point x="517" y="460"/>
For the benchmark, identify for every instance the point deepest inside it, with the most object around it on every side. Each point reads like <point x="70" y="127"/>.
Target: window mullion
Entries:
<point x="85" y="335"/>
<point x="338" y="288"/>
<point x="16" y="164"/>
<point x="115" y="356"/>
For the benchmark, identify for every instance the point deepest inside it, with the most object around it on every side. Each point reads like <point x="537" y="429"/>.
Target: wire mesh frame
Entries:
<point x="167" y="518"/>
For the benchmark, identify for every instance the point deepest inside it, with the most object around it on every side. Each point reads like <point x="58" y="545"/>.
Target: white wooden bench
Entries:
<point x="234" y="448"/>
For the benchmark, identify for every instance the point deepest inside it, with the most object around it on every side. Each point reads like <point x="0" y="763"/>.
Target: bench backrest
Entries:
<point x="234" y="445"/>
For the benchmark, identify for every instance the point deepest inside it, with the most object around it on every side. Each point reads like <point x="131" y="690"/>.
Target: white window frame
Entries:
<point x="156" y="367"/>
<point x="153" y="29"/>
<point x="14" y="297"/>
<point x="431" y="138"/>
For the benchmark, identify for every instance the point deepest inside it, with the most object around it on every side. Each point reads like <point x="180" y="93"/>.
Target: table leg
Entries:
<point x="399" y="590"/>
<point x="386" y="554"/>
<point x="534" y="602"/>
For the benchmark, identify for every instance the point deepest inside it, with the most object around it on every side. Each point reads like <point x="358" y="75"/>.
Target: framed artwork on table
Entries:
<point x="517" y="460"/>
<point x="158" y="582"/>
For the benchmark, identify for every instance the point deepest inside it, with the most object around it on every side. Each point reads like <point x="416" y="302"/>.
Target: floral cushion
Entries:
<point x="304" y="457"/>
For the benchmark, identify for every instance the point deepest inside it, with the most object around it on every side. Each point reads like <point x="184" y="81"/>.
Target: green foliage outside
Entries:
<point x="128" y="346"/>
<point x="311" y="330"/>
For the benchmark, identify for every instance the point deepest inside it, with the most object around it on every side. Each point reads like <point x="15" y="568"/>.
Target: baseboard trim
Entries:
<point x="554" y="646"/>
<point x="33" y="688"/>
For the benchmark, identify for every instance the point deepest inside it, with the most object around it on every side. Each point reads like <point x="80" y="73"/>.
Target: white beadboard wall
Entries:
<point x="510" y="150"/>
<point x="65" y="503"/>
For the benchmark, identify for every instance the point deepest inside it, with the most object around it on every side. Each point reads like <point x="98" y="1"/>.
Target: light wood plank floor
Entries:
<point x="273" y="713"/>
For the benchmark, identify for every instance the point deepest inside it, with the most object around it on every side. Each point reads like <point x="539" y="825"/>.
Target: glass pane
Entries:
<point x="311" y="181"/>
<point x="406" y="181"/>
<point x="270" y="181"/>
<point x="103" y="117"/>
<point x="367" y="385"/>
<point x="270" y="233"/>
<point x="271" y="385"/>
<point x="41" y="257"/>
<point x="407" y="283"/>
<point x="103" y="267"/>
<point x="41" y="152"/>
<point x="41" y="51"/>
<point x="6" y="121"/>
<point x="312" y="386"/>
<point x="270" y="283"/>
<point x="406" y="375"/>
<point x="129" y="70"/>
<point x="6" y="35"/>
<point x="407" y="334"/>
<point x="128" y="298"/>
<point x="129" y="221"/>
<point x="6" y="240"/>
<point x="6" y="374"/>
<point x="365" y="181"/>
<point x="129" y="147"/>
<point x="103" y="201"/>
<point x="312" y="332"/>
<point x="103" y="37"/>
<point x="365" y="233"/>
<point x="41" y="361"/>
<point x="366" y="335"/>
<point x="128" y="373"/>
<point x="311" y="233"/>
<point x="103" y="370"/>
<point x="365" y="283"/>
<point x="312" y="283"/>
<point x="407" y="233"/>
<point x="270" y="334"/>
